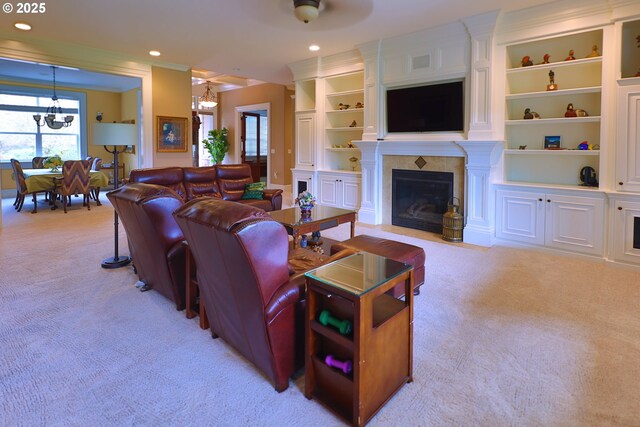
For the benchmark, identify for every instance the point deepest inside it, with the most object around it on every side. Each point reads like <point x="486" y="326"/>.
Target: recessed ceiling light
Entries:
<point x="22" y="26"/>
<point x="154" y="53"/>
<point x="314" y="48"/>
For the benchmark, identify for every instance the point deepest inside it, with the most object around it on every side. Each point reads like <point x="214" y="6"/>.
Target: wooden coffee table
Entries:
<point x="322" y="218"/>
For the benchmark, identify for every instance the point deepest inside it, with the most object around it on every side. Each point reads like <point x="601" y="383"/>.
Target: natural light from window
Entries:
<point x="22" y="139"/>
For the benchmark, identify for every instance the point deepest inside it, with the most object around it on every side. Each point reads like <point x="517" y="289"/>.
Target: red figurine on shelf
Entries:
<point x="570" y="57"/>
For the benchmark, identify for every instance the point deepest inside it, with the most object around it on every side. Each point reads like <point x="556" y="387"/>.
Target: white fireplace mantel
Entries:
<point x="481" y="158"/>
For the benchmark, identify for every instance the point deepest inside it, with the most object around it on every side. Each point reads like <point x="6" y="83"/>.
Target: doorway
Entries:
<point x="254" y="139"/>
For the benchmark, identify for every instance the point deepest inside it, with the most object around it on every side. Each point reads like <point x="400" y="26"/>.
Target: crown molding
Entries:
<point x="72" y="55"/>
<point x="551" y="19"/>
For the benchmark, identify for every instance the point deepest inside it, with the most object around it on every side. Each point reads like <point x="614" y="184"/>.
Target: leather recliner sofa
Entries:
<point x="155" y="240"/>
<point x="252" y="297"/>
<point x="222" y="181"/>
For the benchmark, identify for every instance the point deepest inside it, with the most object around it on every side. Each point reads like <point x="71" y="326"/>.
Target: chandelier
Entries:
<point x="53" y="111"/>
<point x="208" y="99"/>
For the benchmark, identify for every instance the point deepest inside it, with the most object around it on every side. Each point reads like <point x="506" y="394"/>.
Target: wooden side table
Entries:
<point x="379" y="345"/>
<point x="108" y="170"/>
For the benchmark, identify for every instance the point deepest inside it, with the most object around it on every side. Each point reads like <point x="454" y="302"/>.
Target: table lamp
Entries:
<point x="116" y="135"/>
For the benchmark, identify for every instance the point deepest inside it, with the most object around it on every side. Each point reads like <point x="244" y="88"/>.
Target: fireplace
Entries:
<point x="420" y="198"/>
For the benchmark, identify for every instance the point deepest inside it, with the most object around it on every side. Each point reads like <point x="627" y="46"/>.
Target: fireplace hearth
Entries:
<point x="420" y="198"/>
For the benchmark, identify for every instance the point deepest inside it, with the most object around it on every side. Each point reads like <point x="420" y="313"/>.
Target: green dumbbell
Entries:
<point x="344" y="326"/>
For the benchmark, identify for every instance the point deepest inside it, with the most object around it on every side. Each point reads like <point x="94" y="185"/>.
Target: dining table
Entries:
<point x="38" y="180"/>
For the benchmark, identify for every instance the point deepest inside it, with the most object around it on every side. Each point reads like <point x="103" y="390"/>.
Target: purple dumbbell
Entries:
<point x="345" y="366"/>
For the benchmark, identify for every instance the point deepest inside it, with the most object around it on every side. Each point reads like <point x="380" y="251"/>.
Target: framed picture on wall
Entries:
<point x="172" y="134"/>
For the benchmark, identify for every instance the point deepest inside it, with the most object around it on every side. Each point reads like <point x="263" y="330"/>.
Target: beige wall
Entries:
<point x="129" y="111"/>
<point x="109" y="103"/>
<point x="172" y="98"/>
<point x="281" y="120"/>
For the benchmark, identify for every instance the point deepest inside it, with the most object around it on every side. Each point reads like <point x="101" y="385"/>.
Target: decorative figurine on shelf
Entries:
<point x="594" y="52"/>
<point x="353" y="124"/>
<point x="526" y="61"/>
<point x="350" y="145"/>
<point x="581" y="113"/>
<point x="570" y="112"/>
<point x="552" y="83"/>
<point x="528" y="114"/>
<point x="354" y="162"/>
<point x="342" y="106"/>
<point x="584" y="145"/>
<point x="522" y="147"/>
<point x="545" y="58"/>
<point x="570" y="57"/>
<point x="359" y="105"/>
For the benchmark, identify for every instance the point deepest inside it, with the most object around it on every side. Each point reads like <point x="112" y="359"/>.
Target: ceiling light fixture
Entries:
<point x="314" y="48"/>
<point x="208" y="99"/>
<point x="22" y="26"/>
<point x="154" y="53"/>
<point x="306" y="10"/>
<point x="53" y="110"/>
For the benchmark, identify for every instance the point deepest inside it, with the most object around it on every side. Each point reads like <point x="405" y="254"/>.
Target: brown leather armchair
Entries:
<point x="246" y="282"/>
<point x="155" y="240"/>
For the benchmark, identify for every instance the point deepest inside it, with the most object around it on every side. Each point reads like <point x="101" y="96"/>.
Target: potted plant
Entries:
<point x="217" y="144"/>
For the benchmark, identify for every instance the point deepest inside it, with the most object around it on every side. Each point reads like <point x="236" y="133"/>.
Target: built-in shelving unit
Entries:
<point x="579" y="83"/>
<point x="344" y="120"/>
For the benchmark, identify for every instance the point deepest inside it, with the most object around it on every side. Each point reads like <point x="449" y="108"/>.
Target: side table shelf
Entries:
<point x="379" y="344"/>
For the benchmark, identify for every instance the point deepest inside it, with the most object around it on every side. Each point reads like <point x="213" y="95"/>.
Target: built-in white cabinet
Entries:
<point x="305" y="140"/>
<point x="561" y="220"/>
<point x="303" y="180"/>
<point x="340" y="190"/>
<point x="625" y="224"/>
<point x="531" y="155"/>
<point x="628" y="136"/>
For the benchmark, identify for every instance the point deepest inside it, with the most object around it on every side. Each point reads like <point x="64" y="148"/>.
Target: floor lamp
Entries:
<point x="116" y="135"/>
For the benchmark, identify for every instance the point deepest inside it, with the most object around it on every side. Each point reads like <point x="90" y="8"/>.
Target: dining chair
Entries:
<point x="96" y="164"/>
<point x="75" y="180"/>
<point x="21" y="187"/>
<point x="38" y="162"/>
<point x="95" y="191"/>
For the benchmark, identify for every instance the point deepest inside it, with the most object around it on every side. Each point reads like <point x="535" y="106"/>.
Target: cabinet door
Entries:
<point x="329" y="191"/>
<point x="302" y="181"/>
<point x="350" y="194"/>
<point x="575" y="224"/>
<point x="520" y="216"/>
<point x="626" y="232"/>
<point x="305" y="140"/>
<point x="628" y="141"/>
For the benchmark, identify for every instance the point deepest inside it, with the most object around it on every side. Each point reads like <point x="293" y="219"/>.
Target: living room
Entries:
<point x="505" y="333"/>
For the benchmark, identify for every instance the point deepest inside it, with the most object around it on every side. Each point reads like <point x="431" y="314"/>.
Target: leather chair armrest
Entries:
<point x="270" y="193"/>
<point x="287" y="295"/>
<point x="275" y="196"/>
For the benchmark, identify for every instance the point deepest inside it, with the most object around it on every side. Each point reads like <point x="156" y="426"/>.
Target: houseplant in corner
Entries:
<point x="217" y="144"/>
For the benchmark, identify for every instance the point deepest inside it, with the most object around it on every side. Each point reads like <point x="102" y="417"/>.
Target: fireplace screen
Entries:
<point x="420" y="198"/>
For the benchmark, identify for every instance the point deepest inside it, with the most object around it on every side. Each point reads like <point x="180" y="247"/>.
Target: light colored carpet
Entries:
<point x="503" y="336"/>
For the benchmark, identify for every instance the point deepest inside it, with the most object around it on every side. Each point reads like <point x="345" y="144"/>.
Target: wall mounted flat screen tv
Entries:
<point x="436" y="107"/>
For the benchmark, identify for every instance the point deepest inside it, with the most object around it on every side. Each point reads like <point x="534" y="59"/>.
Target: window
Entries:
<point x="206" y="124"/>
<point x="22" y="139"/>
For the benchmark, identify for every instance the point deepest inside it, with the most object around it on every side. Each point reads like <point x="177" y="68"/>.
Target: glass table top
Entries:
<point x="359" y="273"/>
<point x="292" y="216"/>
